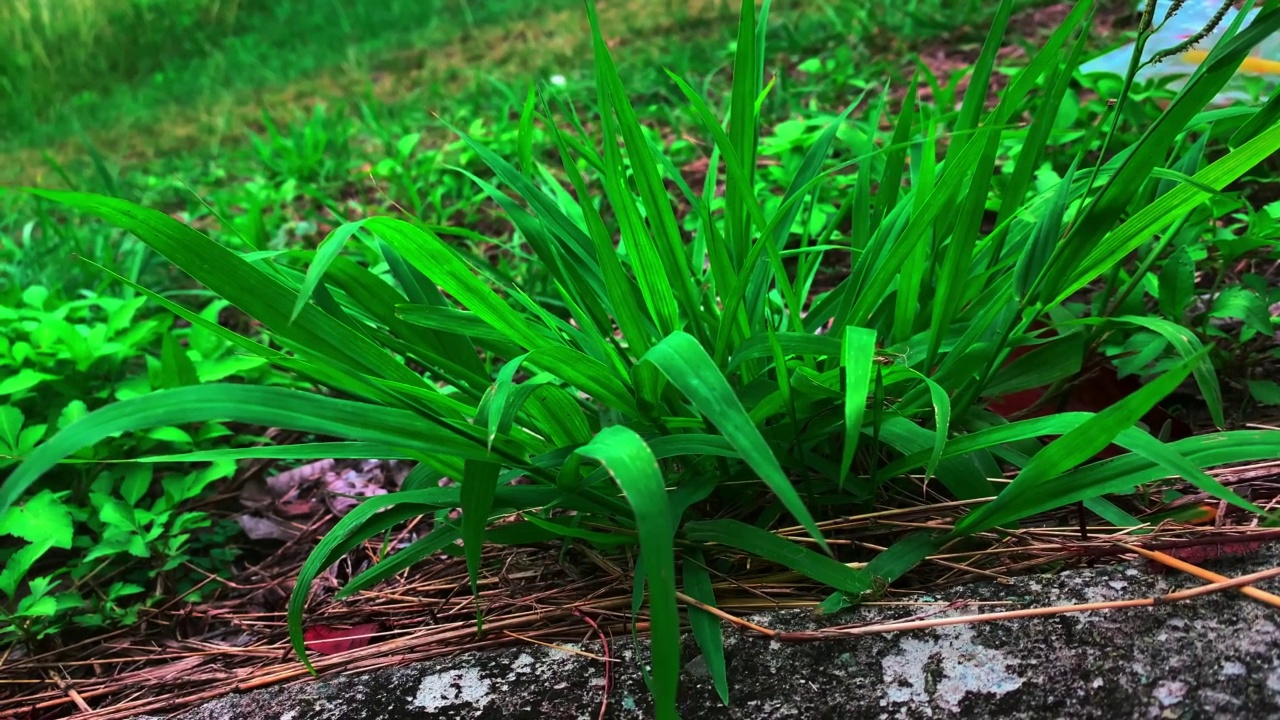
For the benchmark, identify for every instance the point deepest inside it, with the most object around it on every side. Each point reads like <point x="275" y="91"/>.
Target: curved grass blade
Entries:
<point x="326" y="252"/>
<point x="941" y="421"/>
<point x="961" y="475"/>
<point x="688" y="367"/>
<point x="441" y="263"/>
<point x="272" y="407"/>
<point x="563" y="530"/>
<point x="792" y="344"/>
<point x="373" y="517"/>
<point x="887" y="566"/>
<point x="707" y="631"/>
<point x="302" y="451"/>
<point x="666" y="274"/>
<point x="403" y="559"/>
<point x="1121" y="474"/>
<point x="1188" y="346"/>
<point x="1035" y="486"/>
<point x="350" y="532"/>
<point x="586" y="374"/>
<point x="259" y="294"/>
<point x="636" y="471"/>
<point x="766" y="545"/>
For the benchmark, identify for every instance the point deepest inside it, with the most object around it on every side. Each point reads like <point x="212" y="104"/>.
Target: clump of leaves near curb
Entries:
<point x="96" y="532"/>
<point x="684" y="393"/>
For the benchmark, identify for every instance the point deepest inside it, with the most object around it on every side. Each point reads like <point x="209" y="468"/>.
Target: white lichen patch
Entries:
<point x="453" y="687"/>
<point x="547" y="662"/>
<point x="1170" y="692"/>
<point x="523" y="663"/>
<point x="940" y="671"/>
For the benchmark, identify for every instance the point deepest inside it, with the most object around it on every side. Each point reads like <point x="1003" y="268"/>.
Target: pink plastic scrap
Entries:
<point x="1256" y="77"/>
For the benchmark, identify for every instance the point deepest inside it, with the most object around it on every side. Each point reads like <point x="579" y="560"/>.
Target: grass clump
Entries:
<point x="677" y="383"/>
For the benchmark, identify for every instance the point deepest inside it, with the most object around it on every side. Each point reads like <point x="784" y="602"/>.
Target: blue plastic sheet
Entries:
<point x="1258" y="75"/>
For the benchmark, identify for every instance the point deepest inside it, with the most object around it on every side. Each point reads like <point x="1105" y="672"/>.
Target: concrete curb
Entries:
<point x="1209" y="657"/>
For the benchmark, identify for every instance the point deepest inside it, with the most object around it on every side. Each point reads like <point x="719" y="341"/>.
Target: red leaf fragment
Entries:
<point x="1096" y="389"/>
<point x="330" y="640"/>
<point x="1198" y="554"/>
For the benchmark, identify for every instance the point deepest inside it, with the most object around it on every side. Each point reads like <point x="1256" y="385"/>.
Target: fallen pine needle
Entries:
<point x="836" y="633"/>
<point x="1186" y="567"/>
<point x="561" y="648"/>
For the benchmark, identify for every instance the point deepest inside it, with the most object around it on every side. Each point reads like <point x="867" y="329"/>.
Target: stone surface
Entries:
<point x="1215" y="656"/>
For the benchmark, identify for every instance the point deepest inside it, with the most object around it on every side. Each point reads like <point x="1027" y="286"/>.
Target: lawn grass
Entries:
<point x="109" y="62"/>
<point x="196" y="97"/>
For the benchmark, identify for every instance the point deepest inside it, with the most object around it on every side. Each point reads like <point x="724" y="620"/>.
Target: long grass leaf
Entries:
<point x="766" y="545"/>
<point x="636" y="471"/>
<point x="479" y="484"/>
<point x="1070" y="450"/>
<point x="687" y="365"/>
<point x="707" y="632"/>
<point x="267" y="406"/>
<point x="857" y="358"/>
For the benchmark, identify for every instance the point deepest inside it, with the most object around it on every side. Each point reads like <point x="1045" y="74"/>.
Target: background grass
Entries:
<point x="142" y="80"/>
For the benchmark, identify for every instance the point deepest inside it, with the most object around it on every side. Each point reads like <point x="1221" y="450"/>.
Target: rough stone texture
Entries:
<point x="1215" y="656"/>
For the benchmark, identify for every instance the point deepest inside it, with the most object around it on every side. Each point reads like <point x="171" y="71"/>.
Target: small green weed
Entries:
<point x="99" y="530"/>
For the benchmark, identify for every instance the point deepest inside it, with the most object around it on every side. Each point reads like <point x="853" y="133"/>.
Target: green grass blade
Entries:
<point x="461" y="322"/>
<point x="744" y="131"/>
<point x="766" y="545"/>
<point x="267" y="406"/>
<point x="348" y="533"/>
<point x="1116" y="195"/>
<point x="858" y="356"/>
<point x="479" y="484"/>
<point x="891" y="179"/>
<point x="248" y="288"/>
<point x="707" y="631"/>
<point x="1267" y="116"/>
<point x="1190" y="348"/>
<point x="688" y="367"/>
<point x="301" y="451"/>
<point x="636" y="471"/>
<point x="975" y="97"/>
<point x="586" y="374"/>
<point x="176" y="368"/>
<point x="1042" y="123"/>
<point x="1158" y="215"/>
<point x="560" y="528"/>
<point x="1068" y="451"/>
<point x="404" y="558"/>
<point x="441" y="263"/>
<point x="326" y="252"/>
<point x="663" y="237"/>
<point x="1122" y="474"/>
<point x="1045" y="235"/>
<point x="791" y="343"/>
<point x="888" y="566"/>
<point x="961" y="475"/>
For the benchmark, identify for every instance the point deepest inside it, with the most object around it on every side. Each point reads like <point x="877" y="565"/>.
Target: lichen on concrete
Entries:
<point x="942" y="667"/>
<point x="1216" y="657"/>
<point x="465" y="686"/>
